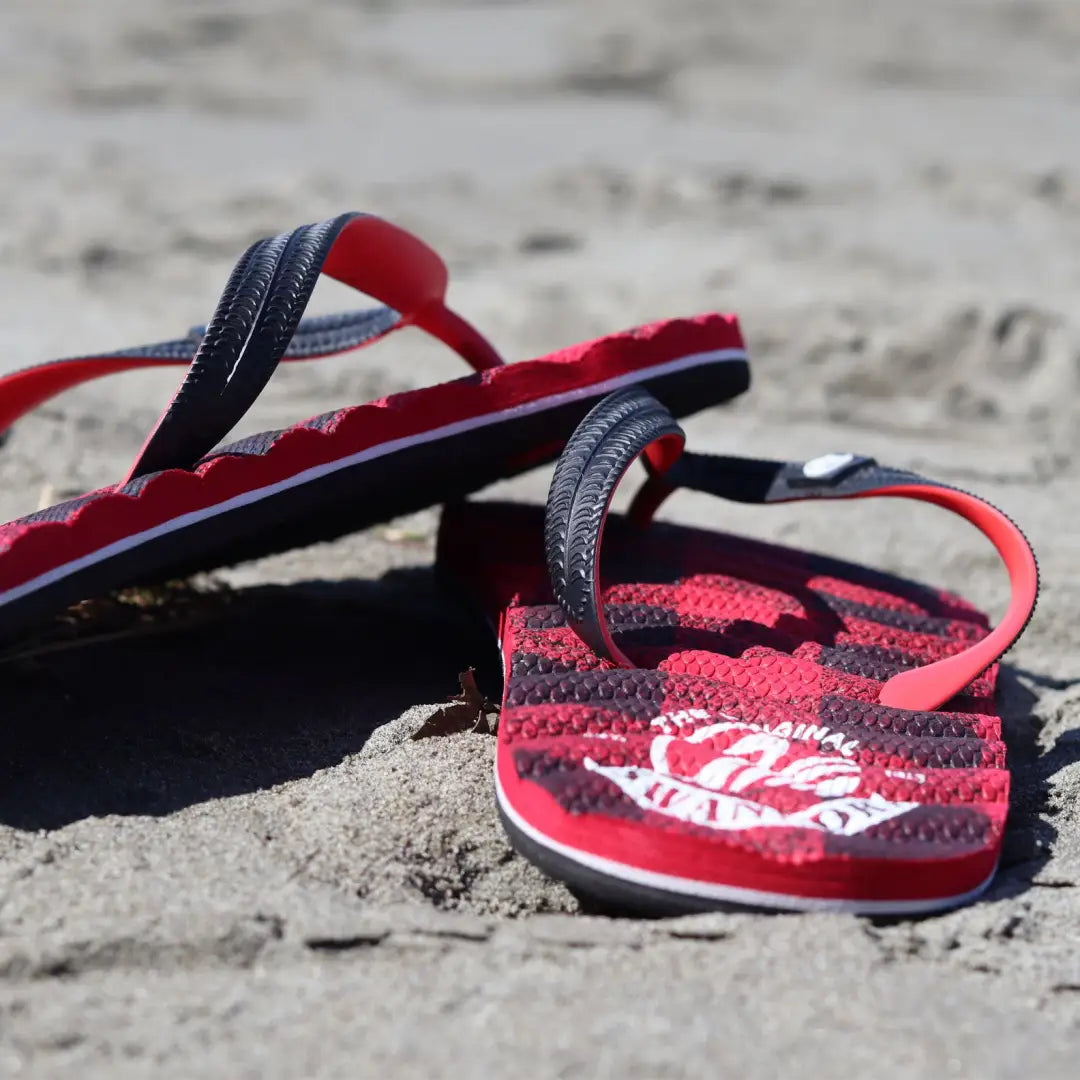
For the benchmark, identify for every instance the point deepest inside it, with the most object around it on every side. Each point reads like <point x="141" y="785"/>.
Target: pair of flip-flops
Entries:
<point x="717" y="720"/>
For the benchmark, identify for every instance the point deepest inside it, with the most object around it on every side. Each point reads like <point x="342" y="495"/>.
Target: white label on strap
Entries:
<point x="826" y="466"/>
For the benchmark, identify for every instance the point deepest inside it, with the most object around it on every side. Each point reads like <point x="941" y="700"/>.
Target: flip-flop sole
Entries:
<point x="746" y="760"/>
<point x="352" y="468"/>
<point x="614" y="885"/>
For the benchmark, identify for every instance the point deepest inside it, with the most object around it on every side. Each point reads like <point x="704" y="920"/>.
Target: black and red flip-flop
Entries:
<point x="724" y="721"/>
<point x="186" y="504"/>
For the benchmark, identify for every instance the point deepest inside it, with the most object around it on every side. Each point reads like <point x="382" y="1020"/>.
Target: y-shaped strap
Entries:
<point x="257" y="324"/>
<point x="630" y="423"/>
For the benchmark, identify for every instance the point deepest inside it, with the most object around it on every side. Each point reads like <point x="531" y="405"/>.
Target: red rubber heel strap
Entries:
<point x="745" y="480"/>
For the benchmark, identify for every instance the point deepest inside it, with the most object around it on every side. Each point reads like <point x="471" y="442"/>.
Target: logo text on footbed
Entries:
<point x="823" y="735"/>
<point x="690" y="780"/>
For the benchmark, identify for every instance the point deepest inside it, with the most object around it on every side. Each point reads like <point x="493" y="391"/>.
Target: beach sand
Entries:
<point x="221" y="855"/>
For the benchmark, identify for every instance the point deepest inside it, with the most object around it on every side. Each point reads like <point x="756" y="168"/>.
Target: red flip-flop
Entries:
<point x="185" y="505"/>
<point x="728" y="721"/>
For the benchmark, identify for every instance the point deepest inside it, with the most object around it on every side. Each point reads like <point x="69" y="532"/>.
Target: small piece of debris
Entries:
<point x="548" y="242"/>
<point x="468" y="711"/>
<point x="394" y="535"/>
<point x="126" y="613"/>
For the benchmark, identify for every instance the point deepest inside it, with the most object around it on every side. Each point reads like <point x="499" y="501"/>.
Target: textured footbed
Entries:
<point x="345" y="470"/>
<point x="745" y="757"/>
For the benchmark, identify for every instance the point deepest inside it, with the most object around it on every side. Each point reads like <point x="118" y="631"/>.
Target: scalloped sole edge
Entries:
<point x="134" y="540"/>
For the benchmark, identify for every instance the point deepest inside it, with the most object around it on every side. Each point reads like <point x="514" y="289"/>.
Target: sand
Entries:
<point x="220" y="853"/>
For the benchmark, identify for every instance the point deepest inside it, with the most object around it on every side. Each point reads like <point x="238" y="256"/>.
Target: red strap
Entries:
<point x="372" y="255"/>
<point x="401" y="271"/>
<point x="930" y="686"/>
<point x="21" y="391"/>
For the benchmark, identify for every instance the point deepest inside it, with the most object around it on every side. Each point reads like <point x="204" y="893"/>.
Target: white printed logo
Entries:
<point x="692" y="782"/>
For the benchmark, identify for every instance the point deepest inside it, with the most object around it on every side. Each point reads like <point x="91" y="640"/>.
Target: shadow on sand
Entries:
<point x="295" y="678"/>
<point x="1030" y="834"/>
<point x="291" y="680"/>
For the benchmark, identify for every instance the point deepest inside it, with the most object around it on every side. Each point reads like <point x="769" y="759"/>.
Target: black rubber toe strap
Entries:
<point x="259" y="313"/>
<point x="617" y="431"/>
<point x="257" y="324"/>
<point x="243" y="343"/>
<point x="631" y="423"/>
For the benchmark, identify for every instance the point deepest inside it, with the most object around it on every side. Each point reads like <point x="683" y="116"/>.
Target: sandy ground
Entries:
<point x="220" y="854"/>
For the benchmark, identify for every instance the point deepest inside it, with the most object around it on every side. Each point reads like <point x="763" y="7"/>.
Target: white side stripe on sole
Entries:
<point x="727" y="894"/>
<point x="58" y="573"/>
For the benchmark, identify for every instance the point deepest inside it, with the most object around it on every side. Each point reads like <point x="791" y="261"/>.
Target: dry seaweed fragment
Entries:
<point x="467" y="711"/>
<point x="128" y="613"/>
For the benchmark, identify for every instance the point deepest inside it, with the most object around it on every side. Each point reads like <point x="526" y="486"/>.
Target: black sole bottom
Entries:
<point x="602" y="894"/>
